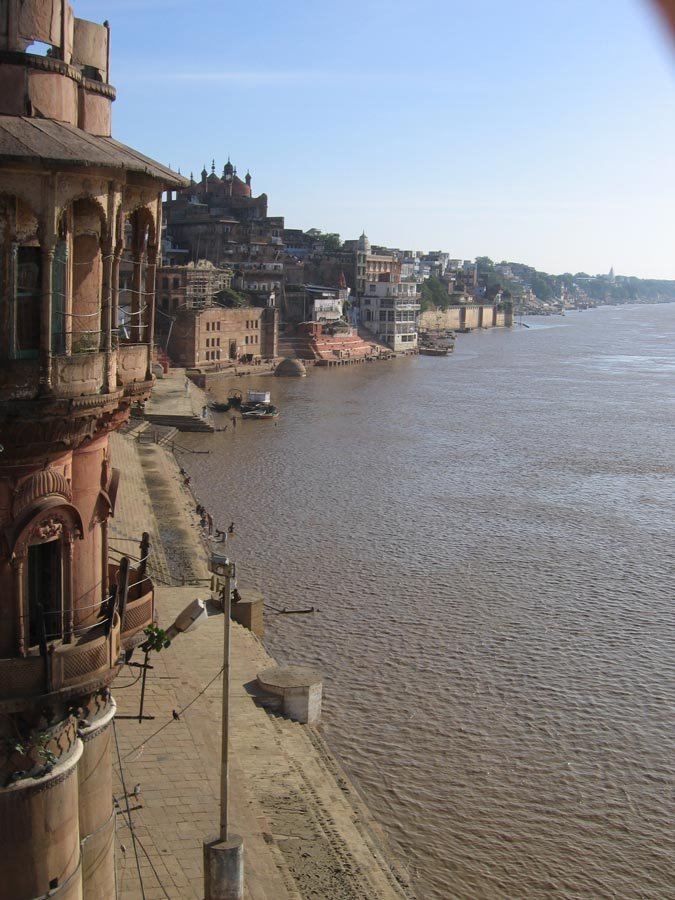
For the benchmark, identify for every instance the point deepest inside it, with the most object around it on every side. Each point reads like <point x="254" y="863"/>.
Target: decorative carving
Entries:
<point x="48" y="529"/>
<point x="40" y="484"/>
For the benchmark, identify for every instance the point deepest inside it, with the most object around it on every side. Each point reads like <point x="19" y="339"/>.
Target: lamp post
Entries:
<point x="224" y="855"/>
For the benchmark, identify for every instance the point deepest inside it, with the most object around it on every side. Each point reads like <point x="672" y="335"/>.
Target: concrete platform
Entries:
<point x="179" y="403"/>
<point x="299" y="688"/>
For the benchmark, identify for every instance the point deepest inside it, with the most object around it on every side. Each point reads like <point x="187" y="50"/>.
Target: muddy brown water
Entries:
<point x="489" y="540"/>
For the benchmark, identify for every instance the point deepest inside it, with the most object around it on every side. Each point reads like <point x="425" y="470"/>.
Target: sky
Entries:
<point x="536" y="132"/>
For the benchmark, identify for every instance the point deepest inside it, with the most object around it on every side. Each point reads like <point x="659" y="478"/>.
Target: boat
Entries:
<point x="434" y="351"/>
<point x="234" y="400"/>
<point x="263" y="411"/>
<point x="258" y="406"/>
<point x="436" y="343"/>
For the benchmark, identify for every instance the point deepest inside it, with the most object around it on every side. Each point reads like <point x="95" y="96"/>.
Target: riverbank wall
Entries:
<point x="307" y="833"/>
<point x="470" y="315"/>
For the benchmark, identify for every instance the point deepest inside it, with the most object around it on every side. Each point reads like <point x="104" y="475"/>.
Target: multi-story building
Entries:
<point x="212" y="337"/>
<point x="391" y="310"/>
<point x="372" y="265"/>
<point x="68" y="377"/>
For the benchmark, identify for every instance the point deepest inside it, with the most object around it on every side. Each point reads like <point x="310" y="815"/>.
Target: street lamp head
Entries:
<point x="190" y="618"/>
<point x="220" y="564"/>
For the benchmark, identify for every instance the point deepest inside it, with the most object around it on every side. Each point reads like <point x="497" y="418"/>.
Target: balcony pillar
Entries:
<point x="115" y="287"/>
<point x="148" y="318"/>
<point x="19" y="618"/>
<point x="107" y="314"/>
<point x="68" y="625"/>
<point x="47" y="253"/>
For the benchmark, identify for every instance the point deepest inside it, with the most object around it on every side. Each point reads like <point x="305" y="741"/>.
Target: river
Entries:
<point x="489" y="540"/>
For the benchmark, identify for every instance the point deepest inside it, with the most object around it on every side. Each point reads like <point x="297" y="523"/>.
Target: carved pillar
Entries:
<point x="68" y="599"/>
<point x="106" y="314"/>
<point x="115" y="286"/>
<point x="148" y="318"/>
<point x="137" y="298"/>
<point x="19" y="615"/>
<point x="47" y="252"/>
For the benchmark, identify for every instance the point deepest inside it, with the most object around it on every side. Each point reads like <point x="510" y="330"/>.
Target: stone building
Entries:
<point x="68" y="377"/>
<point x="219" y="219"/>
<point x="214" y="337"/>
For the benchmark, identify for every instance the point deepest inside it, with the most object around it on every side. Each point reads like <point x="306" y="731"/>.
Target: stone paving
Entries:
<point x="306" y="833"/>
<point x="177" y="401"/>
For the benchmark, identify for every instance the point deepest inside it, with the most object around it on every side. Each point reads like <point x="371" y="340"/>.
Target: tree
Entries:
<point x="434" y="294"/>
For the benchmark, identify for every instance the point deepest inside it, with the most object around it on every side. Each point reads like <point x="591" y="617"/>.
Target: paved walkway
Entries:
<point x="306" y="832"/>
<point x="177" y="401"/>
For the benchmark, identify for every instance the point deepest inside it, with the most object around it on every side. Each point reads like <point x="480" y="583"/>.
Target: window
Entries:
<point x="25" y="306"/>
<point x="218" y="326"/>
<point x="246" y="339"/>
<point x="165" y="284"/>
<point x="176" y="282"/>
<point x="45" y="591"/>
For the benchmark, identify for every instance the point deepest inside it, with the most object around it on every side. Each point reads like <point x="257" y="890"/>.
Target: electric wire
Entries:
<point x="171" y="721"/>
<point x="126" y="800"/>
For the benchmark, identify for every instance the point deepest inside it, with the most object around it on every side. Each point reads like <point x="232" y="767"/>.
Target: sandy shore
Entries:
<point x="307" y="833"/>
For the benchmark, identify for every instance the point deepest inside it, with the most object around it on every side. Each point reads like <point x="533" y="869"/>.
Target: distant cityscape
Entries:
<point x="222" y="252"/>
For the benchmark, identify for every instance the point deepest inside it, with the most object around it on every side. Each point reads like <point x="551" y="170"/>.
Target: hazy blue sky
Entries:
<point x="541" y="131"/>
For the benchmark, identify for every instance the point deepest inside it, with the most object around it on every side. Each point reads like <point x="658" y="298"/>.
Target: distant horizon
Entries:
<point x="527" y="131"/>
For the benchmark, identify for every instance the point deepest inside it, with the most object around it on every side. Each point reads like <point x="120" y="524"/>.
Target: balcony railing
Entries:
<point x="91" y="659"/>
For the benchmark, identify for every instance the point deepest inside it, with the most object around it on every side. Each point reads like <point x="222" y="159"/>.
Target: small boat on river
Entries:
<point x="258" y="405"/>
<point x="434" y="351"/>
<point x="436" y="343"/>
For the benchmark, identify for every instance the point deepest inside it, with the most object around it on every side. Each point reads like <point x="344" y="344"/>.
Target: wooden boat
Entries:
<point x="258" y="406"/>
<point x="262" y="411"/>
<point x="434" y="351"/>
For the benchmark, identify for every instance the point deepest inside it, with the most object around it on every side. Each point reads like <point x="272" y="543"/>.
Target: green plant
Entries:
<point x="157" y="639"/>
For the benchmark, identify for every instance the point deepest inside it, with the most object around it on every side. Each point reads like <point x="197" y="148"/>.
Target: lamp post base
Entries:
<point x="224" y="869"/>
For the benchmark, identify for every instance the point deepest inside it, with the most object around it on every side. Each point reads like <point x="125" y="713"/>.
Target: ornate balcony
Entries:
<point x="88" y="663"/>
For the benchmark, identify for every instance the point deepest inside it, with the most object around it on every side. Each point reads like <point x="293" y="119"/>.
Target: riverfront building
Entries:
<point x="73" y="204"/>
<point x="389" y="308"/>
<point x="211" y="337"/>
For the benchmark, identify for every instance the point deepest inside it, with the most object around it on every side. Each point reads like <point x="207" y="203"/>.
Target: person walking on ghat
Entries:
<point x="230" y="529"/>
<point x="234" y="423"/>
<point x="209" y="523"/>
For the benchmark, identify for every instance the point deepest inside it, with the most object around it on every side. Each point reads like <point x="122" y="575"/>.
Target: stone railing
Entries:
<point x="91" y="660"/>
<point x="140" y="606"/>
<point x="81" y="373"/>
<point x="132" y="362"/>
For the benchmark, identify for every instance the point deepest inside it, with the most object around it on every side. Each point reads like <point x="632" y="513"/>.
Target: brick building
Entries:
<point x="214" y="337"/>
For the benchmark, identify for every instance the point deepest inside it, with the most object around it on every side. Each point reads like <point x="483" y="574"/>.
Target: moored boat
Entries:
<point x="258" y="405"/>
<point x="434" y="351"/>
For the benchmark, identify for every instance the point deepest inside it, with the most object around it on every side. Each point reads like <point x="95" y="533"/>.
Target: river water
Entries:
<point x="489" y="540"/>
